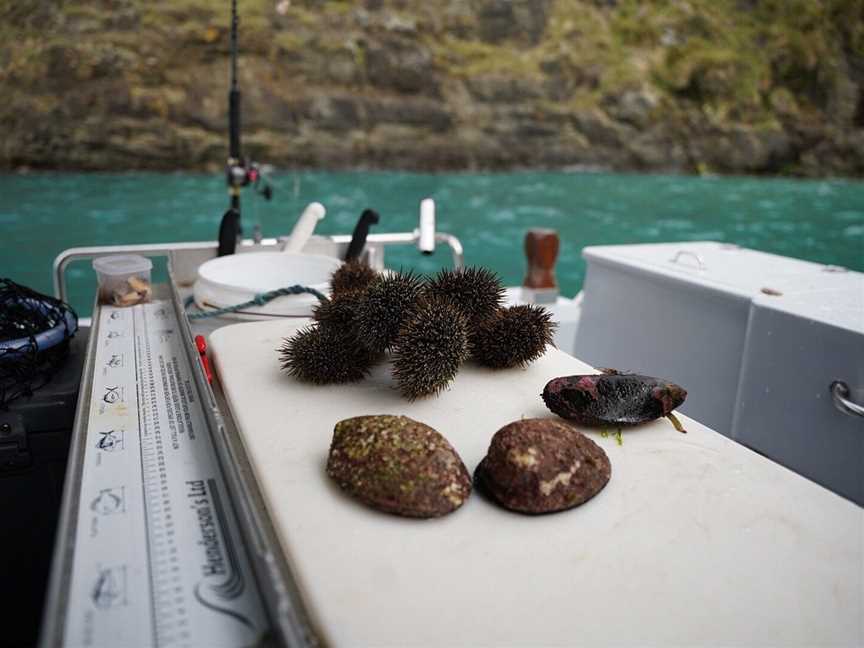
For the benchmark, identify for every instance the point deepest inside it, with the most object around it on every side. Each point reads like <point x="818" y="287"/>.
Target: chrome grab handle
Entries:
<point x="699" y="263"/>
<point x="84" y="253"/>
<point x="840" y="394"/>
<point x="376" y="241"/>
<point x="408" y="238"/>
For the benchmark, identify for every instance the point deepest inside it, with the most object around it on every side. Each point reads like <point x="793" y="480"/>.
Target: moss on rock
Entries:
<point x="120" y="83"/>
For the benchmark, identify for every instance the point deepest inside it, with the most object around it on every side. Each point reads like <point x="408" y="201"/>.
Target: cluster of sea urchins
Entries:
<point x="430" y="327"/>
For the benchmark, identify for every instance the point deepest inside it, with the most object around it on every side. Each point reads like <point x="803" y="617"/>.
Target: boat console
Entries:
<point x="219" y="525"/>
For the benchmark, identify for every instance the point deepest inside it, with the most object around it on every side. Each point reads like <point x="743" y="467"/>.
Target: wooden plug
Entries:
<point x="541" y="252"/>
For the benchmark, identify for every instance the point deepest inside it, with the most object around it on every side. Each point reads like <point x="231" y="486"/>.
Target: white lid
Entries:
<point x="122" y="264"/>
<point x="843" y="308"/>
<point x="725" y="267"/>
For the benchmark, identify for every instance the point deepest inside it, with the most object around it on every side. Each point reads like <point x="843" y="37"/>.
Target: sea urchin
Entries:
<point x="431" y="346"/>
<point x="341" y="311"/>
<point x="324" y="355"/>
<point x="389" y="301"/>
<point x="476" y="292"/>
<point x="513" y="336"/>
<point x="351" y="276"/>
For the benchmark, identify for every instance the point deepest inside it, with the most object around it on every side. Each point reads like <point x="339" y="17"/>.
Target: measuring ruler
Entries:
<point x="158" y="557"/>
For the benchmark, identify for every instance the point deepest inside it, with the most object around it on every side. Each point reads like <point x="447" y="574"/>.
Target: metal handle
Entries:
<point x="164" y="249"/>
<point x="840" y="393"/>
<point x="699" y="263"/>
<point x="83" y="253"/>
<point x="377" y="242"/>
<point x="426" y="241"/>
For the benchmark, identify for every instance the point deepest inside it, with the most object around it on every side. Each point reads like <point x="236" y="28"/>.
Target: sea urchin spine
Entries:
<point x="514" y="336"/>
<point x="431" y="346"/>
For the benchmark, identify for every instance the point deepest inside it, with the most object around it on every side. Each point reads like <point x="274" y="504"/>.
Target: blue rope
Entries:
<point x="259" y="300"/>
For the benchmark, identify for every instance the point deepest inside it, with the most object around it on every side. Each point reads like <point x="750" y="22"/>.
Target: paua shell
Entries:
<point x="542" y="466"/>
<point x="398" y="465"/>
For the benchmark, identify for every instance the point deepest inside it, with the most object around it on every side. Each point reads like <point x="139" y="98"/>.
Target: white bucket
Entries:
<point x="237" y="278"/>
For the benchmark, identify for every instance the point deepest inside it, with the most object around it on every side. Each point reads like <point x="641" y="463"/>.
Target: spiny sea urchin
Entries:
<point x="431" y="345"/>
<point x="324" y="355"/>
<point x="340" y="311"/>
<point x="475" y="291"/>
<point x="388" y="302"/>
<point x="350" y="277"/>
<point x="513" y="336"/>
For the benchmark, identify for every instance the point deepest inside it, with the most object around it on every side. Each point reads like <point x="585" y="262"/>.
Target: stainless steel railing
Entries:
<point x="375" y="245"/>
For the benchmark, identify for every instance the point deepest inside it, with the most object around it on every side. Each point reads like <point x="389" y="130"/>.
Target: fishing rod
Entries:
<point x="239" y="172"/>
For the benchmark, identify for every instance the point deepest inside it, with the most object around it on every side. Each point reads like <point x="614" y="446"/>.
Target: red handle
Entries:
<point x="201" y="345"/>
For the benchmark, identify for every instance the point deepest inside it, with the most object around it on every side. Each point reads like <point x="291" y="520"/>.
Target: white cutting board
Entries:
<point x="695" y="541"/>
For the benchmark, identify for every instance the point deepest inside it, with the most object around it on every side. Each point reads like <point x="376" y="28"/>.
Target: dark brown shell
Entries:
<point x="542" y="466"/>
<point x="398" y="465"/>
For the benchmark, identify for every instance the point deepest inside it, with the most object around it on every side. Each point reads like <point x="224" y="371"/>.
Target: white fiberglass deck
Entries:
<point x="695" y="541"/>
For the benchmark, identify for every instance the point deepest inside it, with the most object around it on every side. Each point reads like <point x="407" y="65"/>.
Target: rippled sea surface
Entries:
<point x="41" y="215"/>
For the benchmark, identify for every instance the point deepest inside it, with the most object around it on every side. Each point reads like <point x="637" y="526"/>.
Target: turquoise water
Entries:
<point x="41" y="215"/>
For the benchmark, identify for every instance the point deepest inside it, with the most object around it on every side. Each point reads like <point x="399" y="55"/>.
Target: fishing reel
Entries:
<point x="239" y="173"/>
<point x="244" y="173"/>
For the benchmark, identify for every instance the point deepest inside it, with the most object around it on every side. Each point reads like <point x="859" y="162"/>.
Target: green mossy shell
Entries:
<point x="398" y="465"/>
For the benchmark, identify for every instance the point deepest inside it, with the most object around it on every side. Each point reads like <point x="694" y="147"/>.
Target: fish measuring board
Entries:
<point x="158" y="556"/>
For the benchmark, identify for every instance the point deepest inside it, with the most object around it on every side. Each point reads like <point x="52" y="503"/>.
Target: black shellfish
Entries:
<point x="613" y="398"/>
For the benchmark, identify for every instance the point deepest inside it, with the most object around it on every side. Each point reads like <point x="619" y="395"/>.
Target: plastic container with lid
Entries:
<point x="124" y="279"/>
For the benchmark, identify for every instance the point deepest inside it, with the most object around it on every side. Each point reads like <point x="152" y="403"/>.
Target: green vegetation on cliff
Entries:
<point x="752" y="86"/>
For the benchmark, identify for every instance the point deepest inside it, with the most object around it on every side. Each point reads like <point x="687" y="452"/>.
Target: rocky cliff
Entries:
<point x="726" y="86"/>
